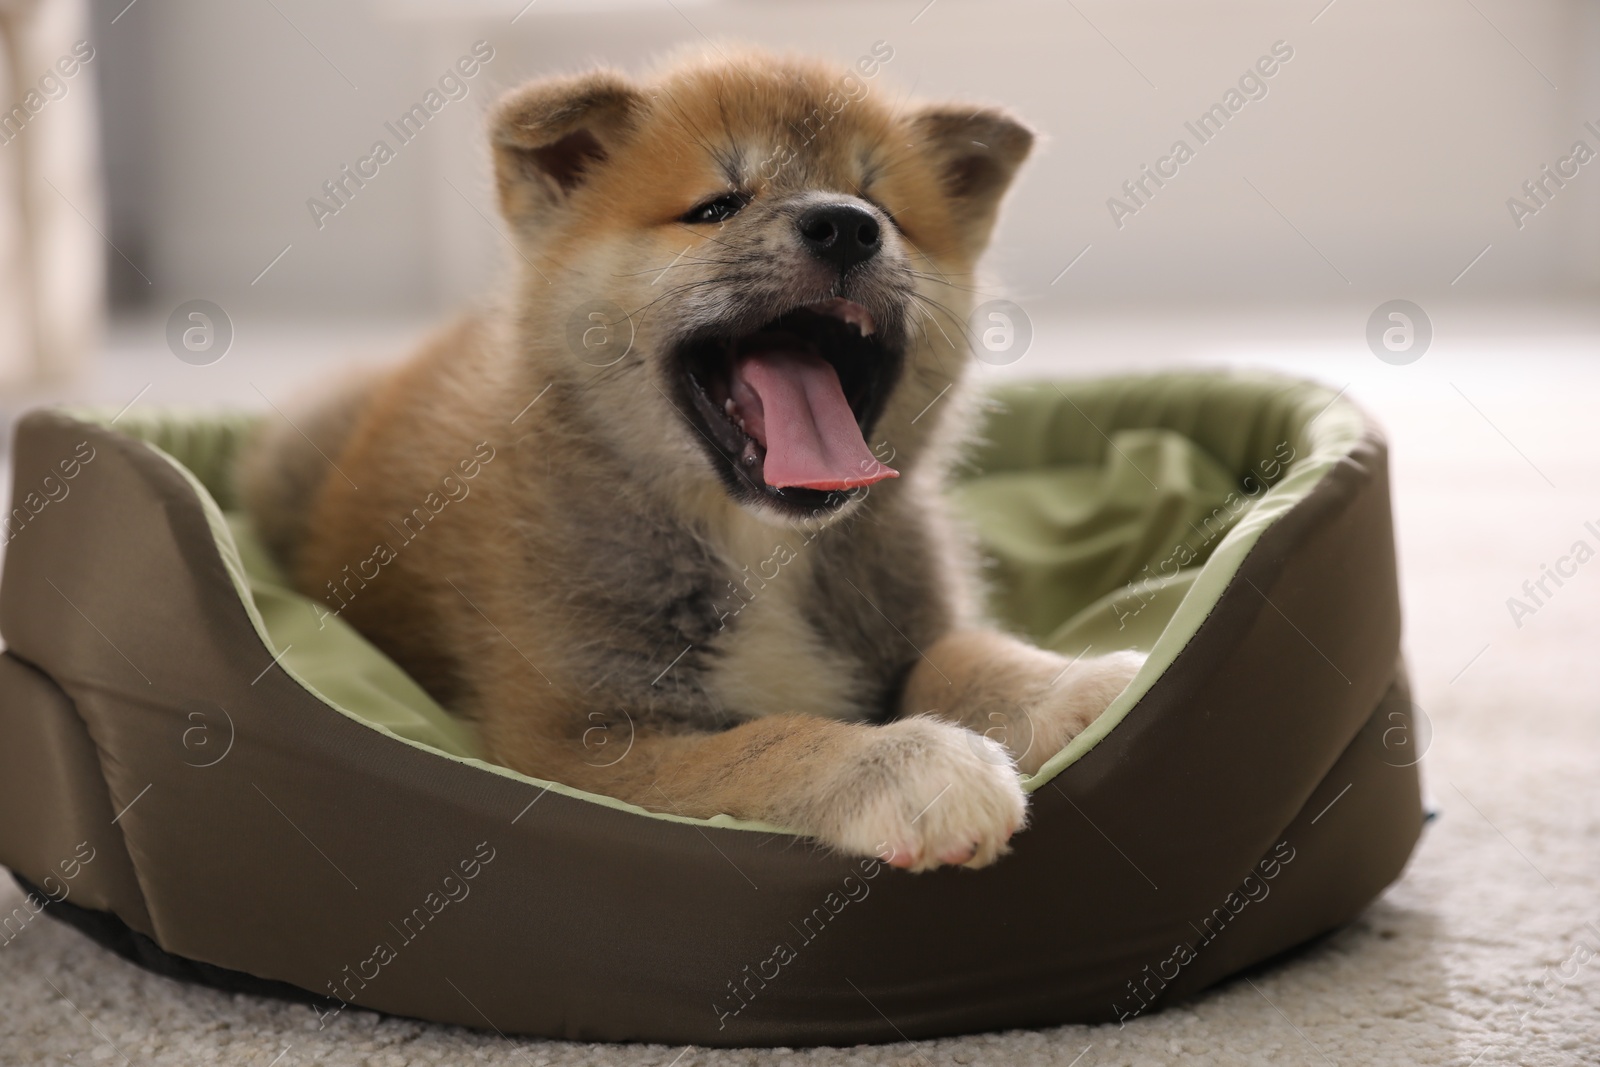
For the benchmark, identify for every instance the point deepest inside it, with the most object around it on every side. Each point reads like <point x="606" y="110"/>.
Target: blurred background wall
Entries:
<point x="1378" y="163"/>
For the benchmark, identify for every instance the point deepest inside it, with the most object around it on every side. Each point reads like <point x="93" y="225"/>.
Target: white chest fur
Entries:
<point x="771" y="660"/>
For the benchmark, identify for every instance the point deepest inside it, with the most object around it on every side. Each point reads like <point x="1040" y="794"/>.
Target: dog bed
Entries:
<point x="214" y="781"/>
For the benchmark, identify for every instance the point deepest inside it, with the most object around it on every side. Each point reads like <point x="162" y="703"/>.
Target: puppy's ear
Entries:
<point x="976" y="153"/>
<point x="549" y="136"/>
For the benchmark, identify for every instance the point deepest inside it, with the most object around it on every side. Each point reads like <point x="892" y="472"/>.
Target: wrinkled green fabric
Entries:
<point x="1066" y="537"/>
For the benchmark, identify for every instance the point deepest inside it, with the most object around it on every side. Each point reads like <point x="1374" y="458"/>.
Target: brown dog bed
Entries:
<point x="268" y="805"/>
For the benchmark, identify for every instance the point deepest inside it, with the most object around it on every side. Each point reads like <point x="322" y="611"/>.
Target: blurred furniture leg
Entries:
<point x="52" y="254"/>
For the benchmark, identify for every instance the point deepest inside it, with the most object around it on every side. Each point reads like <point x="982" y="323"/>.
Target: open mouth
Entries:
<point x="786" y="407"/>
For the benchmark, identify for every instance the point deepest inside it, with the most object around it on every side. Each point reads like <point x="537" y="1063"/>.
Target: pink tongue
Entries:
<point x="792" y="403"/>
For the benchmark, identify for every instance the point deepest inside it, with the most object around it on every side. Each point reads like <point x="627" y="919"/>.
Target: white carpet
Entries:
<point x="1479" y="955"/>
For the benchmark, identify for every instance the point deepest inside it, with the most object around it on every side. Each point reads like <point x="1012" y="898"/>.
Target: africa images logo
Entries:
<point x="1252" y="85"/>
<point x="454" y="84"/>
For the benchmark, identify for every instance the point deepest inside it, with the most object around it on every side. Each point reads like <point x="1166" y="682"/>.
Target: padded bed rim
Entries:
<point x="1250" y="938"/>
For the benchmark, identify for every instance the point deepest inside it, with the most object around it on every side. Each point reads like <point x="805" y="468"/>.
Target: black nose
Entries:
<point x="841" y="234"/>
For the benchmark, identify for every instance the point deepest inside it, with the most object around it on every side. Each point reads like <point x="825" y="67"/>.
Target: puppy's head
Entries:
<point x="754" y="266"/>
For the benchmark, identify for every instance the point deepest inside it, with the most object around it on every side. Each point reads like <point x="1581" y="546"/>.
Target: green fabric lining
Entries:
<point x="349" y="672"/>
<point x="1113" y="512"/>
<point x="1070" y="535"/>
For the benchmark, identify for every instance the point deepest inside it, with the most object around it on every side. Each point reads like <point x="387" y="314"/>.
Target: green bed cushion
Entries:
<point x="1112" y="512"/>
<point x="339" y="663"/>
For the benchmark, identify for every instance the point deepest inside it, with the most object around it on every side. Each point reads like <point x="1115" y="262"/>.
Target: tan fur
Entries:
<point x="283" y="467"/>
<point x="592" y="595"/>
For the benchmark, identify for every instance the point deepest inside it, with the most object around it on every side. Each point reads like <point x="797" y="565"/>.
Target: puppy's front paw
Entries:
<point x="923" y="793"/>
<point x="1072" y="702"/>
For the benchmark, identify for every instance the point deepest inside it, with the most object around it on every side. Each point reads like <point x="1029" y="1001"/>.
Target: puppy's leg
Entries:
<point x="1029" y="700"/>
<point x="916" y="792"/>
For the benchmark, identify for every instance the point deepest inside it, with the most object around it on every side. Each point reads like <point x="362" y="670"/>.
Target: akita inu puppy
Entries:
<point x="676" y="539"/>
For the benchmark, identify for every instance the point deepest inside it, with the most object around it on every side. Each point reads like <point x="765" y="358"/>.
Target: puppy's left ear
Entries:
<point x="550" y="136"/>
<point x="976" y="153"/>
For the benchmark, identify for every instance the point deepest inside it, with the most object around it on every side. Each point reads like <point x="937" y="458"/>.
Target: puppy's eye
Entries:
<point x="717" y="209"/>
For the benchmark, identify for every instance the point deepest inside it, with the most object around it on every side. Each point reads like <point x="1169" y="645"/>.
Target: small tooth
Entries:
<point x="728" y="405"/>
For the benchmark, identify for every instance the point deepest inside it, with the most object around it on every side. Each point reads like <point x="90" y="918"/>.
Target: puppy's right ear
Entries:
<point x="549" y="136"/>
